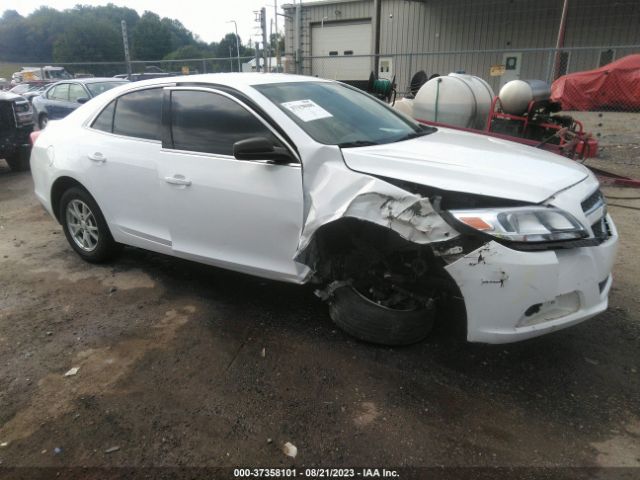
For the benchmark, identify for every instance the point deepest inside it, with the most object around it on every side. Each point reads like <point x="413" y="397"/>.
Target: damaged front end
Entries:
<point x="384" y="241"/>
<point x="406" y="247"/>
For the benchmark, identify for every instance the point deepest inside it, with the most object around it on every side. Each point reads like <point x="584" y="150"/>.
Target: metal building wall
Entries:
<point x="313" y="14"/>
<point x="440" y="36"/>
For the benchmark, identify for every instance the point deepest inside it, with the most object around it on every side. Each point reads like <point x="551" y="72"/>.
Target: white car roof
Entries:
<point x="233" y="79"/>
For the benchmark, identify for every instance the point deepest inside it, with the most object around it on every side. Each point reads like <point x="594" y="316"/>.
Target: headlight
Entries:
<point x="523" y="224"/>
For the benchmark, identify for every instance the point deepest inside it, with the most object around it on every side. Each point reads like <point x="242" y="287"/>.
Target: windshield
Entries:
<point x="20" y="88"/>
<point x="59" y="74"/>
<point x="335" y="114"/>
<point x="100" y="87"/>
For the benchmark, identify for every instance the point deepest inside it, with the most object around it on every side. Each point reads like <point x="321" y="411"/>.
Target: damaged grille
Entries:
<point x="601" y="229"/>
<point x="590" y="206"/>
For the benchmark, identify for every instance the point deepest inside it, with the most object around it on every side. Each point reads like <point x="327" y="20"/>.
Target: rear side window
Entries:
<point x="137" y="114"/>
<point x="211" y="123"/>
<point x="104" y="121"/>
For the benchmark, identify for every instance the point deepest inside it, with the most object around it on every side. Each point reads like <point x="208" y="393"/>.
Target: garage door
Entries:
<point x="342" y="42"/>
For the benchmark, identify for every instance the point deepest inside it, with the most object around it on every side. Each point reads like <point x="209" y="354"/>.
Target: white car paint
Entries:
<point x="258" y="218"/>
<point x="467" y="162"/>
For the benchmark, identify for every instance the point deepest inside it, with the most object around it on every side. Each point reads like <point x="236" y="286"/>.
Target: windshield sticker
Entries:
<point x="306" y="110"/>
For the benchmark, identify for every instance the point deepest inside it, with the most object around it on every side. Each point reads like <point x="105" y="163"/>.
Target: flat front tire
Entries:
<point x="370" y="322"/>
<point x="85" y="227"/>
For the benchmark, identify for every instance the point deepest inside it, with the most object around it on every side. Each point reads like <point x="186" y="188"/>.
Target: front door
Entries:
<point x="243" y="215"/>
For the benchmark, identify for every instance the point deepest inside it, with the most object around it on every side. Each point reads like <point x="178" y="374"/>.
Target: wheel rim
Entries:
<point x="82" y="225"/>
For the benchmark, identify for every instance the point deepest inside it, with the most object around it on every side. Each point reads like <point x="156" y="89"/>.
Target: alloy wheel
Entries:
<point x="82" y="225"/>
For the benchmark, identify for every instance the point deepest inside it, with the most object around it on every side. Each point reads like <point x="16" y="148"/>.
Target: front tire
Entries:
<point x="43" y="121"/>
<point x="85" y="227"/>
<point x="370" y="322"/>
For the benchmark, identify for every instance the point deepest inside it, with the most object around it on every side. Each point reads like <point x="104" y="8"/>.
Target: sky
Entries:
<point x="207" y="19"/>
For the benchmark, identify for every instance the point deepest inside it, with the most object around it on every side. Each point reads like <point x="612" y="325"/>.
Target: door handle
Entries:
<point x="178" y="180"/>
<point x="97" y="157"/>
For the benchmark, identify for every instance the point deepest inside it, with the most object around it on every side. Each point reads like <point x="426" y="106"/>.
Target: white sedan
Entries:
<point x="307" y="180"/>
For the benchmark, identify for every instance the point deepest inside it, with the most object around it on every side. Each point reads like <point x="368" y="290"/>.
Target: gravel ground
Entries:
<point x="186" y="365"/>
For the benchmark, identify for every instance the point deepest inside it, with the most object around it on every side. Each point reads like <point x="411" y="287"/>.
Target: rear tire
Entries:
<point x="18" y="162"/>
<point x="85" y="227"/>
<point x="370" y="322"/>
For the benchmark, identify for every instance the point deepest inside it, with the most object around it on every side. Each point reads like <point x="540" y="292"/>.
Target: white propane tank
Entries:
<point x="404" y="105"/>
<point x="457" y="99"/>
<point x="516" y="95"/>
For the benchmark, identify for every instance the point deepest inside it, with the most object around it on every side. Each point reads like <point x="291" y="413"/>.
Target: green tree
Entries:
<point x="87" y="33"/>
<point x="90" y="41"/>
<point x="179" y="35"/>
<point x="12" y="24"/>
<point x="150" y="40"/>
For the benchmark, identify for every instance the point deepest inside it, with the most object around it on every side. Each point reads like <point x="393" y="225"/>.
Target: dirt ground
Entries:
<point x="186" y="365"/>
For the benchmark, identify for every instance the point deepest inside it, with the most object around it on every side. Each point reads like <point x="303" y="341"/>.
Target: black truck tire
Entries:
<point x="370" y="322"/>
<point x="18" y="161"/>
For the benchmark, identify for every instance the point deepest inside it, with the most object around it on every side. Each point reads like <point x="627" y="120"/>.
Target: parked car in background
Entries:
<point x="16" y="123"/>
<point x="308" y="180"/>
<point x="62" y="98"/>
<point x="48" y="73"/>
<point x="30" y="90"/>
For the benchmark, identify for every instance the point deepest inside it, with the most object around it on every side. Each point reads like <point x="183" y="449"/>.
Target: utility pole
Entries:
<point x="125" y="41"/>
<point x="270" y="43"/>
<point x="275" y="16"/>
<point x="257" y="56"/>
<point x="560" y="40"/>
<point x="263" y="25"/>
<point x="237" y="44"/>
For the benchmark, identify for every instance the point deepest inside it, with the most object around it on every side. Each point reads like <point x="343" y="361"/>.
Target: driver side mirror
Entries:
<point x="82" y="100"/>
<point x="260" y="148"/>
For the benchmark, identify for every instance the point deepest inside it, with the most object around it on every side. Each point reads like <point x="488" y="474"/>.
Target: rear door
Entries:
<point x="244" y="215"/>
<point x="121" y="151"/>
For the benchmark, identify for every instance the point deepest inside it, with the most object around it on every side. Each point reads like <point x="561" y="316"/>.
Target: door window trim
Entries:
<point x="166" y="125"/>
<point x="89" y="122"/>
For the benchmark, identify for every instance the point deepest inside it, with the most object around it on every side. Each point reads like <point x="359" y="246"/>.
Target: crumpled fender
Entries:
<point x="333" y="191"/>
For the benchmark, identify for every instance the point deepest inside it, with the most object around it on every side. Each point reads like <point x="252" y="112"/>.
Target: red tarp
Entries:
<point x="613" y="87"/>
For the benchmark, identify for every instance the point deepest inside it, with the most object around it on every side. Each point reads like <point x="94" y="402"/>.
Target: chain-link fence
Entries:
<point x="605" y="101"/>
<point x="495" y="66"/>
<point x="176" y="67"/>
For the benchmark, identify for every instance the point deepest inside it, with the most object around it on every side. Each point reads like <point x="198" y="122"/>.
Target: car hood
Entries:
<point x="467" y="162"/>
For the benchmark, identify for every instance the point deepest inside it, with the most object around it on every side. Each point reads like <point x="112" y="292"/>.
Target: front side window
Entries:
<point x="96" y="88"/>
<point x="76" y="91"/>
<point x="138" y="114"/>
<point x="334" y="114"/>
<point x="59" y="92"/>
<point x="211" y="123"/>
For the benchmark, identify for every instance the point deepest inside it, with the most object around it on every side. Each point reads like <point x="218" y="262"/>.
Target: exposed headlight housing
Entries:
<point x="523" y="224"/>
